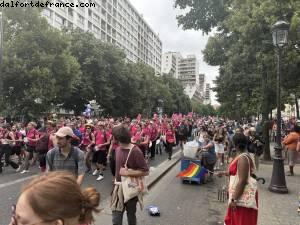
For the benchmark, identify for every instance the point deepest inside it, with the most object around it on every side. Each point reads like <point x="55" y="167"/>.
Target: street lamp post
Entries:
<point x="280" y="39"/>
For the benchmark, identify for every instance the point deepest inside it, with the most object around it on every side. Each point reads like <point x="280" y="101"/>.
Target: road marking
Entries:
<point x="17" y="181"/>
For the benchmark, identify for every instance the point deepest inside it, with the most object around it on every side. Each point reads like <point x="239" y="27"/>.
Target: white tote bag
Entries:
<point x="247" y="199"/>
<point x="132" y="186"/>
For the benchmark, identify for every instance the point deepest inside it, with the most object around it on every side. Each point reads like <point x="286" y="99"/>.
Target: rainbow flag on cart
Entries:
<point x="192" y="171"/>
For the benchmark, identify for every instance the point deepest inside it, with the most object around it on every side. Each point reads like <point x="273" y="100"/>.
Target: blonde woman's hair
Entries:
<point x="56" y="195"/>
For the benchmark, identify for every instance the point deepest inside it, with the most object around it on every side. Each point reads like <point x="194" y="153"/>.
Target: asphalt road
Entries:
<point x="183" y="204"/>
<point x="11" y="183"/>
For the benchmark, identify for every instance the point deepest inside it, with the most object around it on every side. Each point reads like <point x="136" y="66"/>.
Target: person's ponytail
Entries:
<point x="90" y="203"/>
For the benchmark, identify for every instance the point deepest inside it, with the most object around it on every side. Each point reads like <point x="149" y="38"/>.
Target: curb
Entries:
<point x="163" y="168"/>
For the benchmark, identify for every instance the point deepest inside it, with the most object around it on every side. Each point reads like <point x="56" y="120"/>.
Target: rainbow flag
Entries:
<point x="193" y="170"/>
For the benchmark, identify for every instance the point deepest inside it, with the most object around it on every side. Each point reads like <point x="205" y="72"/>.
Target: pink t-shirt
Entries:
<point x="33" y="134"/>
<point x="82" y="129"/>
<point x="138" y="136"/>
<point x="153" y="133"/>
<point x="170" y="136"/>
<point x="101" y="138"/>
<point x="86" y="140"/>
<point x="133" y="130"/>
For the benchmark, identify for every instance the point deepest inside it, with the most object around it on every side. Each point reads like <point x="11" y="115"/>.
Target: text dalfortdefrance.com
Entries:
<point x="43" y="4"/>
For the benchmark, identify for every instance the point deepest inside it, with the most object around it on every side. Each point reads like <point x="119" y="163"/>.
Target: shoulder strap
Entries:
<point x="75" y="156"/>
<point x="52" y="156"/>
<point x="128" y="155"/>
<point x="247" y="156"/>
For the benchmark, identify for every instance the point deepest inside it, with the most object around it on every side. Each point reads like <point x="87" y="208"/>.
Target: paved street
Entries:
<point x="185" y="204"/>
<point x="180" y="204"/>
<point x="11" y="183"/>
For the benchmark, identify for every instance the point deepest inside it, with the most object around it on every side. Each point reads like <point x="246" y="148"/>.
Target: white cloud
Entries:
<point x="161" y="16"/>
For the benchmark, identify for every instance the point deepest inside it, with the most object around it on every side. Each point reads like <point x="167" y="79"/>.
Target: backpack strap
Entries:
<point x="75" y="156"/>
<point x="52" y="155"/>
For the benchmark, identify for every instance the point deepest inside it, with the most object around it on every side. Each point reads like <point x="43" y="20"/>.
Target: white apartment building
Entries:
<point x="207" y="96"/>
<point x="188" y="70"/>
<point x="202" y="82"/>
<point x="194" y="93"/>
<point x="113" y="21"/>
<point x="170" y="63"/>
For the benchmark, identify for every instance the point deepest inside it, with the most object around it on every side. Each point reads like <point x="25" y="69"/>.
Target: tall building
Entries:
<point x="188" y="70"/>
<point x="207" y="96"/>
<point x="202" y="82"/>
<point x="170" y="63"/>
<point x="113" y="21"/>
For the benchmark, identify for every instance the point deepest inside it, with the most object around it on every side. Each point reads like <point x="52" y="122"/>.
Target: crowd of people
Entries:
<point x="83" y="146"/>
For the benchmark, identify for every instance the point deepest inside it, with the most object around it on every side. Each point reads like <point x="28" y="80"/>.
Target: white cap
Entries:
<point x="65" y="131"/>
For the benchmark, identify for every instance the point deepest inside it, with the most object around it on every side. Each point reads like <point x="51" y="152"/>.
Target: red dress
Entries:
<point x="242" y="215"/>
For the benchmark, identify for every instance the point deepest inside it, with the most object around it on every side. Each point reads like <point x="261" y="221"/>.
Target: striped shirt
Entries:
<point x="73" y="163"/>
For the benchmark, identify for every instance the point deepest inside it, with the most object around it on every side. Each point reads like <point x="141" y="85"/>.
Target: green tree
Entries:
<point x="37" y="66"/>
<point x="243" y="50"/>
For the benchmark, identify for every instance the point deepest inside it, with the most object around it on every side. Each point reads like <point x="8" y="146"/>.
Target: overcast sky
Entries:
<point x="161" y="16"/>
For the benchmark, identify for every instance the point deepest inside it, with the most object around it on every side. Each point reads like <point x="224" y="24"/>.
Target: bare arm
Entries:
<point x="80" y="179"/>
<point x="243" y="171"/>
<point x="132" y="173"/>
<point x="208" y="146"/>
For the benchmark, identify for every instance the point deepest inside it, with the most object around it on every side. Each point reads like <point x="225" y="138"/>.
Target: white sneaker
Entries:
<point x="25" y="171"/>
<point x="96" y="172"/>
<point x="100" y="177"/>
<point x="18" y="169"/>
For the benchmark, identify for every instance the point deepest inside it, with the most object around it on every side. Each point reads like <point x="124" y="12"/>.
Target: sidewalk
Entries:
<point x="278" y="209"/>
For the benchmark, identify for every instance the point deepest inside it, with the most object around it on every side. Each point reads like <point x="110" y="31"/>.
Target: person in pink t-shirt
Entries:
<point x="133" y="129"/>
<point x="141" y="138"/>
<point x="102" y="138"/>
<point x="170" y="140"/>
<point x="87" y="145"/>
<point x="32" y="136"/>
<point x="153" y="133"/>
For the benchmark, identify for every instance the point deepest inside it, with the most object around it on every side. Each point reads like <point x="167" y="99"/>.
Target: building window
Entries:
<point x="103" y="25"/>
<point x="80" y="19"/>
<point x="103" y="12"/>
<point x="59" y="20"/>
<point x="70" y="12"/>
<point x="47" y="13"/>
<point x="90" y="26"/>
<point x="104" y="4"/>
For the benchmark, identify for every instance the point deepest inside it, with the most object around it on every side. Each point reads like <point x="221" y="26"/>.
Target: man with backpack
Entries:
<point x="65" y="156"/>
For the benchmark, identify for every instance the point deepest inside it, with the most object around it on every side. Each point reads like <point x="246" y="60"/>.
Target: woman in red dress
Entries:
<point x="237" y="215"/>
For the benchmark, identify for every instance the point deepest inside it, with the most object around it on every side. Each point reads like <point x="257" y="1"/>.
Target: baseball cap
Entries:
<point x="64" y="131"/>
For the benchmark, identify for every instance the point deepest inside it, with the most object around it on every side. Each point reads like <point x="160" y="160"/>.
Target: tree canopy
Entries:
<point x="45" y="68"/>
<point x="241" y="46"/>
